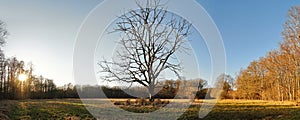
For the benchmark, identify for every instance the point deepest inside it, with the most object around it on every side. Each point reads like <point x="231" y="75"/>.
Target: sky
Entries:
<point x="44" y="32"/>
<point x="249" y="28"/>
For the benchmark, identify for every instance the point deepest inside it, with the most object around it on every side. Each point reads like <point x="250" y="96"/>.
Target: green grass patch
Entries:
<point x="50" y="109"/>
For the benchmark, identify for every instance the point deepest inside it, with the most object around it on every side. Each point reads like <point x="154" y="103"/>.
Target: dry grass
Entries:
<point x="254" y="109"/>
<point x="73" y="109"/>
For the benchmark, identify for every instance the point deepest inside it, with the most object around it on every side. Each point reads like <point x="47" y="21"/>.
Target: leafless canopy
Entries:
<point x="151" y="36"/>
<point x="3" y="33"/>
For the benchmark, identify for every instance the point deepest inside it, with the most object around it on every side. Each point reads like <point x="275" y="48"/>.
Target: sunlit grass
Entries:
<point x="248" y="109"/>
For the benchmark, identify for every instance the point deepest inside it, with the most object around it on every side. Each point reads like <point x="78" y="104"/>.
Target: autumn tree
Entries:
<point x="276" y="76"/>
<point x="227" y="82"/>
<point x="151" y="38"/>
<point x="290" y="48"/>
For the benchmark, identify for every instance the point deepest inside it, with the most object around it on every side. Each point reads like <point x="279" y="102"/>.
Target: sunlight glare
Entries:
<point x="22" y="77"/>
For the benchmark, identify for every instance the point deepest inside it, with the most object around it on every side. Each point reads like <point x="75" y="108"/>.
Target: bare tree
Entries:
<point x="151" y="37"/>
<point x="3" y="33"/>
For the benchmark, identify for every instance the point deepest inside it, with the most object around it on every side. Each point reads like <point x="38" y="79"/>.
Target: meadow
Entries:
<point x="74" y="109"/>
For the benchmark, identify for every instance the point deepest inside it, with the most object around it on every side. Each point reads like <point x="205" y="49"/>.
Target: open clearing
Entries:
<point x="74" y="109"/>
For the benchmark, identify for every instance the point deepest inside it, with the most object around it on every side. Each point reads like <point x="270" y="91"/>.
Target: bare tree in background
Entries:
<point x="151" y="38"/>
<point x="3" y="33"/>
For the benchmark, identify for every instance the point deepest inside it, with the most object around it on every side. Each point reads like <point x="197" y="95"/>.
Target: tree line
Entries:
<point x="167" y="89"/>
<point x="276" y="76"/>
<point x="33" y="86"/>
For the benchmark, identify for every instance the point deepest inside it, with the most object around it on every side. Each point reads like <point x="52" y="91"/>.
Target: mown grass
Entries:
<point x="73" y="109"/>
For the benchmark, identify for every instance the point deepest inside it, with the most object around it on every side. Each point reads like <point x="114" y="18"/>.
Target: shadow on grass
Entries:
<point x="245" y="112"/>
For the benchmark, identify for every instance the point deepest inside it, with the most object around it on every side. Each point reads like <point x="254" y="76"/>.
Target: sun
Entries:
<point x="22" y="77"/>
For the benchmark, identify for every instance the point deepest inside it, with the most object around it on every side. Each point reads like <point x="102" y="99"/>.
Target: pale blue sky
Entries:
<point x="44" y="32"/>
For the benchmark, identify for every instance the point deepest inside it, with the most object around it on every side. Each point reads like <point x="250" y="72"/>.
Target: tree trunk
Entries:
<point x="151" y="92"/>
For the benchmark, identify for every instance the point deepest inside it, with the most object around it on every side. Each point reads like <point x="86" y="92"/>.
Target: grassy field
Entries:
<point x="73" y="109"/>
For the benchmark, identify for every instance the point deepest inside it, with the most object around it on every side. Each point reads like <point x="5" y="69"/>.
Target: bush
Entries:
<point x="119" y="103"/>
<point x="142" y="102"/>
